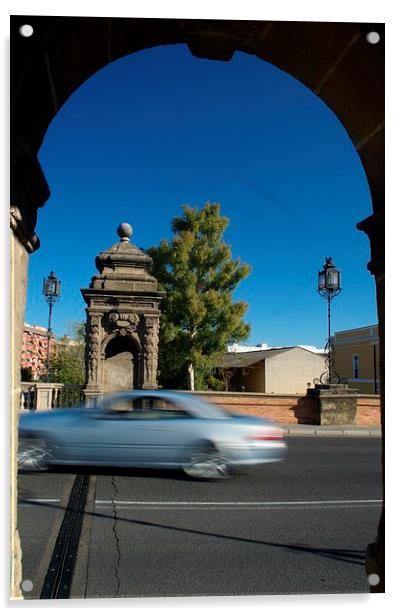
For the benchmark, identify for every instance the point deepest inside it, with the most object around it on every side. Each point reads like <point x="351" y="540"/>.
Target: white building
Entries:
<point x="273" y="370"/>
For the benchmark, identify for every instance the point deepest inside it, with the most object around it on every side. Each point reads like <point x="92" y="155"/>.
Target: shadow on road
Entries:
<point x="109" y="471"/>
<point x="356" y="557"/>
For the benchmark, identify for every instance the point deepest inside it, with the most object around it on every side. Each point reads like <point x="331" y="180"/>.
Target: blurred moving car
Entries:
<point x="149" y="429"/>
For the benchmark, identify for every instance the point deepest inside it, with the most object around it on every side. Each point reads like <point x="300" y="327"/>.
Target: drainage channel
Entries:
<point x="58" y="580"/>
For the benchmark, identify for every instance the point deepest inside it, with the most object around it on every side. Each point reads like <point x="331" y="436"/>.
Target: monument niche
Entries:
<point x="122" y="320"/>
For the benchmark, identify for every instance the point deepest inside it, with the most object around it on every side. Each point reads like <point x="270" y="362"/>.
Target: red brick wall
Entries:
<point x="289" y="409"/>
<point x="285" y="409"/>
<point x="368" y="411"/>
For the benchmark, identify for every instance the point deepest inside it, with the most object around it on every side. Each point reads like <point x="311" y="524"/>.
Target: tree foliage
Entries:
<point x="199" y="316"/>
<point x="67" y="365"/>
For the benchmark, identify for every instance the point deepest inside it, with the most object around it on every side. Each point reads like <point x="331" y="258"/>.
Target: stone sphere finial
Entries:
<point x="124" y="231"/>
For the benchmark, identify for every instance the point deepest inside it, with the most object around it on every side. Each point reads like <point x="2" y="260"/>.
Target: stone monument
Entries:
<point x="122" y="324"/>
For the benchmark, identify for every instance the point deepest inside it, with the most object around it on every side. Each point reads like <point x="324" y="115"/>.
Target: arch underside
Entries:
<point x="334" y="60"/>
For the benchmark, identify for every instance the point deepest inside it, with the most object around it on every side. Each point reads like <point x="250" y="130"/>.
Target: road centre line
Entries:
<point x="210" y="503"/>
<point x="232" y="508"/>
<point x="238" y="504"/>
<point x="39" y="500"/>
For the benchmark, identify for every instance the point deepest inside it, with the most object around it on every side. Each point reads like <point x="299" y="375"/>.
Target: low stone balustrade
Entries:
<point x="45" y="396"/>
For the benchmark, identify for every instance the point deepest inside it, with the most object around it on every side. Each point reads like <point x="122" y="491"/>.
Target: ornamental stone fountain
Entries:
<point x="122" y="324"/>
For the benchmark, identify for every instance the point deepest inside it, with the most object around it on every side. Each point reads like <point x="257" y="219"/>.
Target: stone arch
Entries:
<point x="332" y="59"/>
<point x="132" y="336"/>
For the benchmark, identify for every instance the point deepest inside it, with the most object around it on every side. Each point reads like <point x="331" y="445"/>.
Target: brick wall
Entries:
<point x="289" y="409"/>
<point x="368" y="411"/>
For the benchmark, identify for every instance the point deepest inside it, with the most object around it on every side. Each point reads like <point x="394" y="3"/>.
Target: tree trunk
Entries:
<point x="191" y="376"/>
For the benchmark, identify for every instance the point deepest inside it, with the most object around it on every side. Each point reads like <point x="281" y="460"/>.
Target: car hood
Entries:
<point x="45" y="417"/>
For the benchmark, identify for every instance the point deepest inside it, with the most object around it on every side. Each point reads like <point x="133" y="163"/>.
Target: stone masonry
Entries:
<point x="122" y="327"/>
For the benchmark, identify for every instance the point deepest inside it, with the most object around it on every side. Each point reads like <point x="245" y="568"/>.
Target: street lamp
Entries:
<point x="51" y="291"/>
<point x="329" y="285"/>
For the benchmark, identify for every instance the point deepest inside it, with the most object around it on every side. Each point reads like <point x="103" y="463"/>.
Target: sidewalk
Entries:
<point x="310" y="430"/>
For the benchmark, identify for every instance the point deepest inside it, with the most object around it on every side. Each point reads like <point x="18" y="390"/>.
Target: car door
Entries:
<point x="97" y="435"/>
<point x="156" y="432"/>
<point x="134" y="430"/>
<point x="101" y="435"/>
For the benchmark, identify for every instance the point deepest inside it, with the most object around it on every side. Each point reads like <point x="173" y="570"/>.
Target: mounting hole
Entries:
<point x="27" y="585"/>
<point x="26" y="30"/>
<point x="373" y="37"/>
<point x="373" y="579"/>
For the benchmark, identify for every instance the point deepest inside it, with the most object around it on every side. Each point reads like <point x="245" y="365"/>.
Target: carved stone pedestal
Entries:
<point x="335" y="404"/>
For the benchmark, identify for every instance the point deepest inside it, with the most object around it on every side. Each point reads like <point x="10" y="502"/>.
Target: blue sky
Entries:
<point x="159" y="129"/>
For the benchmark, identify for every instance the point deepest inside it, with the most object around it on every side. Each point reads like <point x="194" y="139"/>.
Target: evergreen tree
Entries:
<point x="199" y="316"/>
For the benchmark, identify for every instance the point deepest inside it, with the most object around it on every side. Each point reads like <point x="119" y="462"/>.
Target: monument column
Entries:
<point x="122" y="328"/>
<point x="151" y="350"/>
<point x="93" y="334"/>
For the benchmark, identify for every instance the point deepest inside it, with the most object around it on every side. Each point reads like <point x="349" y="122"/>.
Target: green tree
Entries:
<point x="199" y="316"/>
<point x="67" y="365"/>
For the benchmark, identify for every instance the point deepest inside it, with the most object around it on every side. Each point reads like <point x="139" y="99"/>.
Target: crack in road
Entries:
<point x="115" y="534"/>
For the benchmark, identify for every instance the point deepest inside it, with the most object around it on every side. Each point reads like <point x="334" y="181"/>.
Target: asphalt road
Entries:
<point x="299" y="527"/>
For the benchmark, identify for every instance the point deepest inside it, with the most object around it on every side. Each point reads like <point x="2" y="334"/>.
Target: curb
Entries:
<point x="322" y="431"/>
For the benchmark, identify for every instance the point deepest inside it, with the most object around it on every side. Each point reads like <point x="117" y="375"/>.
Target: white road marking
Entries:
<point x="39" y="500"/>
<point x="126" y="504"/>
<point x="233" y="504"/>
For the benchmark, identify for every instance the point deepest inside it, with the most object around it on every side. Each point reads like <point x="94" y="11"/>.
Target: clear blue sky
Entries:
<point x="161" y="128"/>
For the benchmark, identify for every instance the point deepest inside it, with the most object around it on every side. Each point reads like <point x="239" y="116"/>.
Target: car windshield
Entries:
<point x="129" y="403"/>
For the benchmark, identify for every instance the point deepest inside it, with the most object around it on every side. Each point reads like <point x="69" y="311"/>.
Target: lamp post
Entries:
<point x="51" y="291"/>
<point x="329" y="285"/>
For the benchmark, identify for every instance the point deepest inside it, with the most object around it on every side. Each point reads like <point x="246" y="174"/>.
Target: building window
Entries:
<point x="355" y="366"/>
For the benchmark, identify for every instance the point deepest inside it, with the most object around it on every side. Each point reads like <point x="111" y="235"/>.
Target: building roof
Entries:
<point x="249" y="358"/>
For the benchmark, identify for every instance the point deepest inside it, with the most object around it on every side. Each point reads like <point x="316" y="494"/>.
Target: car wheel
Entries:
<point x="33" y="454"/>
<point x="207" y="463"/>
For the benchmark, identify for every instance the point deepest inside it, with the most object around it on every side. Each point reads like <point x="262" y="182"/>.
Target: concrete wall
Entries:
<point x="287" y="408"/>
<point x="290" y="372"/>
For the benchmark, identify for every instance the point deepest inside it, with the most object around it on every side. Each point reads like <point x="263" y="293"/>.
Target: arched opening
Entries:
<point x="120" y="365"/>
<point x="149" y="135"/>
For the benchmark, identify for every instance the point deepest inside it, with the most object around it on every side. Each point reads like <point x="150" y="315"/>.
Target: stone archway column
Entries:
<point x="20" y="247"/>
<point x="29" y="191"/>
<point x="374" y="228"/>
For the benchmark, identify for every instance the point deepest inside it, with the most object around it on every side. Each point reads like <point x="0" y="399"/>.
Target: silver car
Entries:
<point x="149" y="429"/>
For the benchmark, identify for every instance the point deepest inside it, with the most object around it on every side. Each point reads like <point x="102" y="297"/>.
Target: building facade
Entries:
<point x="357" y="358"/>
<point x="34" y="354"/>
<point x="279" y="370"/>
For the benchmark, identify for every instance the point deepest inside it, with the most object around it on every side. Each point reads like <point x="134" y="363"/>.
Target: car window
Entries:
<point x="143" y="407"/>
<point x="118" y="405"/>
